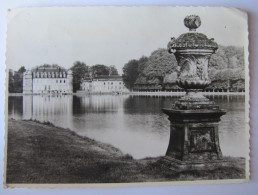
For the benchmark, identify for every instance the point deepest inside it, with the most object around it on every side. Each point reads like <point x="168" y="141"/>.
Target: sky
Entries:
<point x="109" y="35"/>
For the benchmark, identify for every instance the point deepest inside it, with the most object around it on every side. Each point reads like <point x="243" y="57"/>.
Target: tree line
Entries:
<point x="80" y="71"/>
<point x="160" y="70"/>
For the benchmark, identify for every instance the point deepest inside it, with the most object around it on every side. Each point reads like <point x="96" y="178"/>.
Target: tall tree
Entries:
<point x="142" y="63"/>
<point x="80" y="70"/>
<point x="99" y="70"/>
<point x="153" y="70"/>
<point x="130" y="73"/>
<point x="159" y="63"/>
<point x="113" y="70"/>
<point x="16" y="80"/>
<point x="11" y="81"/>
<point x="22" y="70"/>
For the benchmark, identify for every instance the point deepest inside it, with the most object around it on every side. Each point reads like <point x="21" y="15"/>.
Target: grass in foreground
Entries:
<point x="42" y="153"/>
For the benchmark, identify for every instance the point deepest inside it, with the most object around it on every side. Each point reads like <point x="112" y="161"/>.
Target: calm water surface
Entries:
<point x="134" y="124"/>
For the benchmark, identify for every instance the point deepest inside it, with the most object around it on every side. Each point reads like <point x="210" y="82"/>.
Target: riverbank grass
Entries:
<point x="42" y="153"/>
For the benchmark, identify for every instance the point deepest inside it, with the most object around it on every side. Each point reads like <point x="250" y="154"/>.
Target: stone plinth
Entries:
<point x="194" y="136"/>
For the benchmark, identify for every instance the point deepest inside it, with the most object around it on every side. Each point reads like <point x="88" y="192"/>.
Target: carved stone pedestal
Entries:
<point x="194" y="137"/>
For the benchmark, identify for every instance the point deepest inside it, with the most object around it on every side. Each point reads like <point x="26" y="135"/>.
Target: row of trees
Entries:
<point x="80" y="71"/>
<point x="160" y="69"/>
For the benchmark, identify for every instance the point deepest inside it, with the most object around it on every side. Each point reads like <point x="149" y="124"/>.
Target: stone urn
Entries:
<point x="194" y="118"/>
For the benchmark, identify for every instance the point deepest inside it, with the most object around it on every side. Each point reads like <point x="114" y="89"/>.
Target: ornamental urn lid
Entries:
<point x="192" y="39"/>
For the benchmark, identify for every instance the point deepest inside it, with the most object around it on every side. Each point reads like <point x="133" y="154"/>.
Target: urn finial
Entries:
<point x="192" y="22"/>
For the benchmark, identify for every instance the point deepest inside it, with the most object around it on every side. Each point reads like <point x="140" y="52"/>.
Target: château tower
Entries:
<point x="27" y="82"/>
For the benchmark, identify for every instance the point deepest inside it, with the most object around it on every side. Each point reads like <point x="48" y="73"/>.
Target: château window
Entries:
<point x="60" y="81"/>
<point x="64" y="81"/>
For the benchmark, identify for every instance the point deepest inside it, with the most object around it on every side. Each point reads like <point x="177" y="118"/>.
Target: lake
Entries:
<point x="134" y="124"/>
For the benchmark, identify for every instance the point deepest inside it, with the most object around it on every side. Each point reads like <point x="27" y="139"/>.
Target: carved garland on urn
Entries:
<point x="193" y="71"/>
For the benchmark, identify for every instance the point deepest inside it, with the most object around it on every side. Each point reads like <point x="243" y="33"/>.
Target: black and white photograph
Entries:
<point x="126" y="96"/>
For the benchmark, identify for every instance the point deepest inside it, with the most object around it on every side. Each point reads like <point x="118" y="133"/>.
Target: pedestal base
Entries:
<point x="194" y="137"/>
<point x="178" y="166"/>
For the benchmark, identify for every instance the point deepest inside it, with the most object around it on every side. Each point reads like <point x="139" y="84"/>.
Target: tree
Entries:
<point x="11" y="81"/>
<point x="22" y="70"/>
<point x="219" y="60"/>
<point x="227" y="57"/>
<point x="112" y="70"/>
<point x="227" y="64"/>
<point x="159" y="64"/>
<point x="142" y="63"/>
<point x="130" y="73"/>
<point x="99" y="70"/>
<point x="151" y="70"/>
<point x="227" y="68"/>
<point x="16" y="80"/>
<point x="80" y="71"/>
<point x="156" y="67"/>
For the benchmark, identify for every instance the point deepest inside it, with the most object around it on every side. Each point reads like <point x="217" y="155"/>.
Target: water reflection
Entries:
<point x="134" y="124"/>
<point x="55" y="109"/>
<point x="15" y="107"/>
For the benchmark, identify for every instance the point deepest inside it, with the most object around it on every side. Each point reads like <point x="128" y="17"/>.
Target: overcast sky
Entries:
<point x="108" y="35"/>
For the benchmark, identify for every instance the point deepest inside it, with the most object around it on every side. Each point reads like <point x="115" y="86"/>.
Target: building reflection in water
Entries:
<point x="97" y="103"/>
<point x="27" y="107"/>
<point x="56" y="109"/>
<point x="134" y="124"/>
<point x="106" y="118"/>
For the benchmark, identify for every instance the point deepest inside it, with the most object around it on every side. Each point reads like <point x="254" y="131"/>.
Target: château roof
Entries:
<point x="108" y="78"/>
<point x="104" y="78"/>
<point x="48" y="68"/>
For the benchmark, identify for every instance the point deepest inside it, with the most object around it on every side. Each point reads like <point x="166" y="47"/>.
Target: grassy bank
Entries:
<point x="42" y="153"/>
